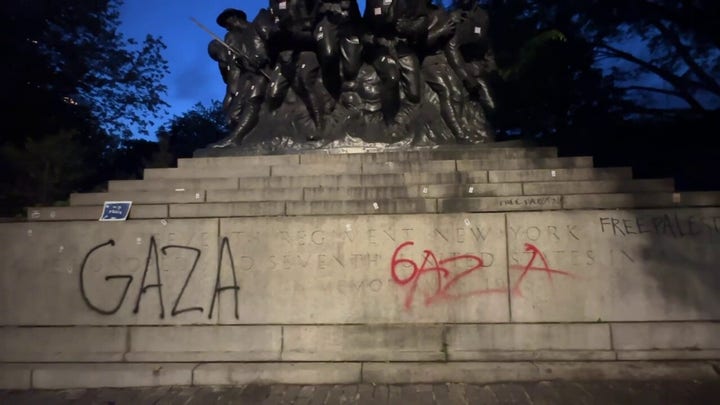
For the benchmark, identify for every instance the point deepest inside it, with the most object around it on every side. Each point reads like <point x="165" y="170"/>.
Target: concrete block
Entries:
<point x="277" y="373"/>
<point x="613" y="201"/>
<point x="598" y="186"/>
<point x="699" y="199"/>
<point x="78" y="344"/>
<point x="433" y="166"/>
<point x="455" y="372"/>
<point x="193" y="173"/>
<point x="359" y="193"/>
<point x="614" y="266"/>
<point x="238" y="161"/>
<point x="363" y="343"/>
<point x="534" y="355"/>
<point x="432" y="154"/>
<point x="92" y="213"/>
<point x="15" y="376"/>
<point x="340" y="269"/>
<point x="558" y="174"/>
<point x="267" y="194"/>
<point x="469" y="190"/>
<point x="173" y="184"/>
<point x="468" y="342"/>
<point x="236" y="209"/>
<point x="90" y="273"/>
<point x="139" y="197"/>
<point x="399" y="206"/>
<point x="63" y="376"/>
<point x="344" y="180"/>
<point x="319" y="169"/>
<point x="500" y="204"/>
<point x="525" y="163"/>
<point x="422" y="178"/>
<point x="653" y="355"/>
<point x="626" y="370"/>
<point x="666" y="336"/>
<point x="204" y="343"/>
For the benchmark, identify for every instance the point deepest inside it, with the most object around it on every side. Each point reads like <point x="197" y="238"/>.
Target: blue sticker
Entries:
<point x="116" y="210"/>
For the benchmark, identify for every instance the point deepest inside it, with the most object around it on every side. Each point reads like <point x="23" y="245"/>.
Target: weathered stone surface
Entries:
<point x="262" y="194"/>
<point x="469" y="190"/>
<point x="666" y="335"/>
<point x="93" y="213"/>
<point x="322" y="169"/>
<point x="524" y="164"/>
<point x="431" y="166"/>
<point x="204" y="343"/>
<point x="236" y="209"/>
<point x="477" y="342"/>
<point x="624" y="200"/>
<point x="698" y="199"/>
<point x="691" y="354"/>
<point x="77" y="344"/>
<point x="654" y="265"/>
<point x="277" y="373"/>
<point x="56" y="376"/>
<point x="362" y="343"/>
<point x="437" y="154"/>
<point x="598" y="186"/>
<point x="15" y="376"/>
<point x="173" y="184"/>
<point x="557" y="174"/>
<point x="340" y="269"/>
<point x="238" y="161"/>
<point x="90" y="273"/>
<point x="397" y="206"/>
<point x="140" y="197"/>
<point x="500" y="204"/>
<point x="193" y="173"/>
<point x="358" y="193"/>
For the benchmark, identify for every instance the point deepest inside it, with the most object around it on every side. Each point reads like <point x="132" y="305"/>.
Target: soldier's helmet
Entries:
<point x="222" y="19"/>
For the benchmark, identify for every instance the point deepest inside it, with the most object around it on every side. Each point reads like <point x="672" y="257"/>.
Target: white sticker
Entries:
<point x="302" y="66"/>
<point x="377" y="10"/>
<point x="676" y="198"/>
<point x="348" y="227"/>
<point x="179" y="189"/>
<point x="163" y="222"/>
<point x="387" y="2"/>
<point x="425" y="190"/>
<point x="471" y="189"/>
<point x="321" y="35"/>
<point x="553" y="173"/>
<point x="478" y="30"/>
<point x="376" y="206"/>
<point x="467" y="222"/>
<point x="35" y="214"/>
<point x="197" y="196"/>
<point x="30" y="233"/>
<point x="61" y="248"/>
<point x="282" y="5"/>
<point x="320" y="28"/>
<point x="138" y="241"/>
<point x="52" y="214"/>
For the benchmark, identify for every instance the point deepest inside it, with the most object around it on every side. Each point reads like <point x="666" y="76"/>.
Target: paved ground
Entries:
<point x="557" y="392"/>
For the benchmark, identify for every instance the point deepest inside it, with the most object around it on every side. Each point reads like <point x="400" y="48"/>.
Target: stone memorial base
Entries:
<point x="473" y="264"/>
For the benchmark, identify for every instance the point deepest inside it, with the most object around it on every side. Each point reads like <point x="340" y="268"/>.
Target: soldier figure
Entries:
<point x="338" y="42"/>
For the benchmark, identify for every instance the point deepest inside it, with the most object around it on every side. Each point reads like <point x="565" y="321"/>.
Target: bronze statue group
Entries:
<point x="307" y="71"/>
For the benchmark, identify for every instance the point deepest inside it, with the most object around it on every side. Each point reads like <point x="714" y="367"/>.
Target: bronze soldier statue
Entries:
<point x="338" y="42"/>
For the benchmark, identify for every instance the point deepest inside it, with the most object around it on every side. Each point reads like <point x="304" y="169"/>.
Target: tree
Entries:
<point x="70" y="78"/>
<point x="194" y="129"/>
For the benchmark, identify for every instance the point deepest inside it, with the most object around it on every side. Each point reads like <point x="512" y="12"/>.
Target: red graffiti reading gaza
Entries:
<point x="446" y="283"/>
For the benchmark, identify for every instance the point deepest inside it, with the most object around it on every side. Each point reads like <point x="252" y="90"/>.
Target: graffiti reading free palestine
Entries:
<point x="446" y="282"/>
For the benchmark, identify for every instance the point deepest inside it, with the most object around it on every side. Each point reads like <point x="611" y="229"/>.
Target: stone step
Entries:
<point x="138" y="197"/>
<point x="173" y="184"/>
<point x="597" y="186"/>
<point x="92" y="213"/>
<point x="390" y="206"/>
<point x="381" y="157"/>
<point x="567" y="174"/>
<point x="322" y="193"/>
<point x="317" y="169"/>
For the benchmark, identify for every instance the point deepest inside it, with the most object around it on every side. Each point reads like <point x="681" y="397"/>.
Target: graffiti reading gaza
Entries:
<point x="447" y="284"/>
<point x="151" y="281"/>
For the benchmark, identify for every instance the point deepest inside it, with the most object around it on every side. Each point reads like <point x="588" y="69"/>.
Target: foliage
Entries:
<point x="194" y="129"/>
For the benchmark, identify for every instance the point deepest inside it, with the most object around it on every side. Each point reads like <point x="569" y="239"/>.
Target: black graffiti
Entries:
<point x="107" y="278"/>
<point x="153" y="260"/>
<point x="671" y="225"/>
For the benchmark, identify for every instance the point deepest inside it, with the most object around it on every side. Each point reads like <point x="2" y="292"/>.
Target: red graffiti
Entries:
<point x="536" y="254"/>
<point x="445" y="284"/>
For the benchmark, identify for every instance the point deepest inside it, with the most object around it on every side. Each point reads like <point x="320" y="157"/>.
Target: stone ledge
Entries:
<point x="173" y="184"/>
<point x="138" y="197"/>
<point x="694" y="336"/>
<point x="57" y="376"/>
<point x="15" y="376"/>
<point x="57" y="344"/>
<point x="576" y="174"/>
<point x="276" y="373"/>
<point x="92" y="213"/>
